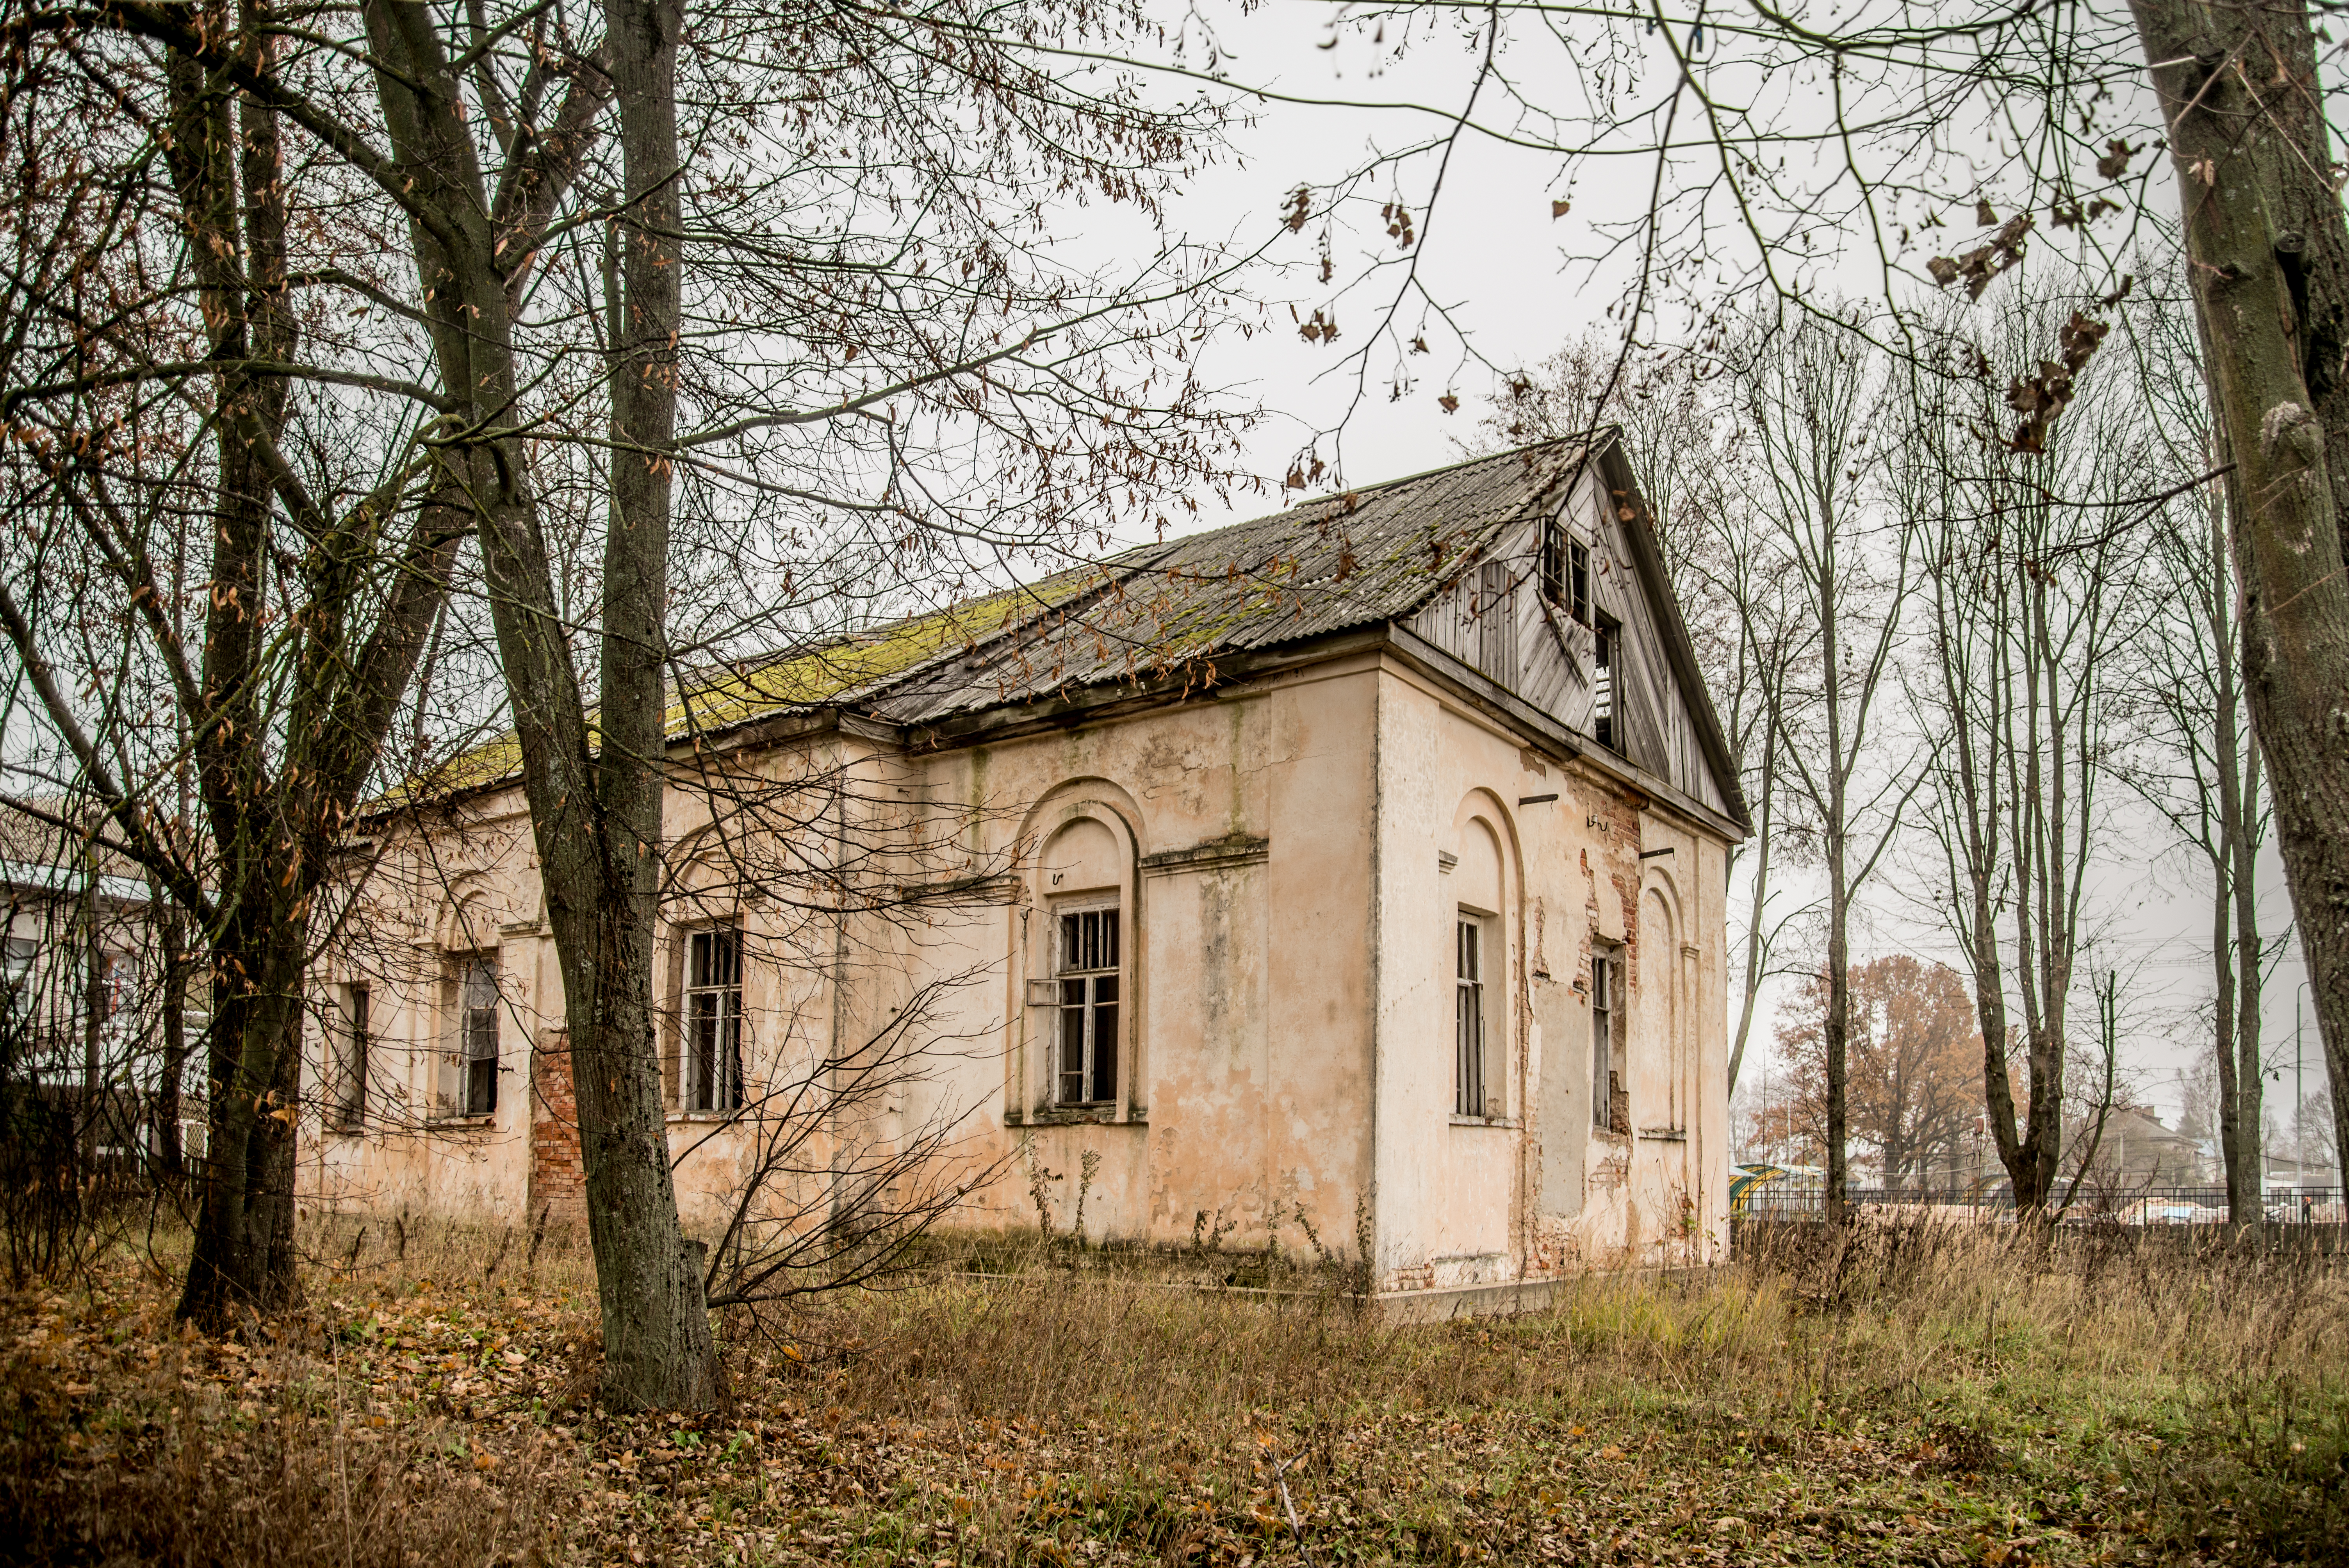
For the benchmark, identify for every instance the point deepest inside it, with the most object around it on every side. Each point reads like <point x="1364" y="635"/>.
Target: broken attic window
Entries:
<point x="1608" y="634"/>
<point x="1565" y="570"/>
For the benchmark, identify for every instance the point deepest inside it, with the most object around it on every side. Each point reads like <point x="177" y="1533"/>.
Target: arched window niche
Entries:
<point x="1481" y="909"/>
<point x="1661" y="1090"/>
<point x="1080" y="929"/>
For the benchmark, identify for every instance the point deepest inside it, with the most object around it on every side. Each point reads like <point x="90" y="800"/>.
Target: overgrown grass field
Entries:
<point x="1890" y="1395"/>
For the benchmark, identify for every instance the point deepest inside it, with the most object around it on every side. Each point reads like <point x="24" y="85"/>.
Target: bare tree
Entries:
<point x="2031" y="596"/>
<point x="259" y="584"/>
<point x="1814" y="400"/>
<point x="2198" y="765"/>
<point x="976" y="345"/>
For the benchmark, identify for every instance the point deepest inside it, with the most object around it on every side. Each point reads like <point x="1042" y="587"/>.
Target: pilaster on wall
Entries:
<point x="558" y="1174"/>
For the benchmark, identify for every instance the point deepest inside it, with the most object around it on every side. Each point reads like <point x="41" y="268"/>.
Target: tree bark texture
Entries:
<point x="2268" y="250"/>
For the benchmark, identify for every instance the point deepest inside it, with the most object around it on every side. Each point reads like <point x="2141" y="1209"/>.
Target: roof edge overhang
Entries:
<point x="1547" y="734"/>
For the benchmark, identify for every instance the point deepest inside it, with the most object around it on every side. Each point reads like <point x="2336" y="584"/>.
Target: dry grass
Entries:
<point x="1903" y="1394"/>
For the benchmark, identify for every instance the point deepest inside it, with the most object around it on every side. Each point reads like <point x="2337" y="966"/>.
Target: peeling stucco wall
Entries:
<point x="1279" y="851"/>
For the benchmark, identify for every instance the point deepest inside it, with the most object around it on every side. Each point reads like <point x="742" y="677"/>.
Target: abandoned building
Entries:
<point x="1353" y="876"/>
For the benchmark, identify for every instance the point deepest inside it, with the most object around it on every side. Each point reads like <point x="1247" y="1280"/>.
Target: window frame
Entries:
<point x="1608" y="1082"/>
<point x="18" y="958"/>
<point x="696" y="1093"/>
<point x="348" y="1044"/>
<point x="473" y="1022"/>
<point x="1097" y="1083"/>
<point x="1565" y="570"/>
<point x="1471" y="1014"/>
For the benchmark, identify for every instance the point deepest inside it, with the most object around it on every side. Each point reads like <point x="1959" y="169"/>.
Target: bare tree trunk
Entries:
<point x="2268" y="252"/>
<point x="242" y="1258"/>
<point x="595" y="816"/>
<point x="1757" y="947"/>
<point x="171" y="1025"/>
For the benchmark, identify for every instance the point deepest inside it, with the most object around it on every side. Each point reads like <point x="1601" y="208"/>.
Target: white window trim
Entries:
<point x="690" y="1102"/>
<point x="1109" y="901"/>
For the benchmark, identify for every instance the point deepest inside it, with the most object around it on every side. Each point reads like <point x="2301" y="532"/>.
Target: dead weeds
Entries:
<point x="1941" y="1401"/>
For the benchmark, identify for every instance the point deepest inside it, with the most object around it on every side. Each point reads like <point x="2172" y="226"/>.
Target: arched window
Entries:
<point x="1085" y="871"/>
<point x="1480" y="988"/>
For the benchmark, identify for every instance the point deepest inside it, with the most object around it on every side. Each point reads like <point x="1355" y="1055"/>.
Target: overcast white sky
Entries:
<point x="1498" y="259"/>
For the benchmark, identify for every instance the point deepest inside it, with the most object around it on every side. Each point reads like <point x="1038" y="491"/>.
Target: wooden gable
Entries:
<point x="1495" y="617"/>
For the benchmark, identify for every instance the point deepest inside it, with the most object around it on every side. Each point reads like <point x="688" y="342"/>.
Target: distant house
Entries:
<point x="77" y="990"/>
<point x="2136" y="1151"/>
<point x="1359" y="869"/>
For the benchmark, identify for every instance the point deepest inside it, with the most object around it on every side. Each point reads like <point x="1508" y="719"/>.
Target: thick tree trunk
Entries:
<point x="596" y="819"/>
<point x="241" y="1262"/>
<point x="228" y="173"/>
<point x="2269" y="254"/>
<point x="657" y="1344"/>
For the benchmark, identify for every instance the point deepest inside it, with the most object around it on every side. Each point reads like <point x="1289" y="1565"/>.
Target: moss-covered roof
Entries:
<point x="1345" y="560"/>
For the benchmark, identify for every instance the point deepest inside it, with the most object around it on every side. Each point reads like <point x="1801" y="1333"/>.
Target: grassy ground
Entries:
<point x="1908" y="1396"/>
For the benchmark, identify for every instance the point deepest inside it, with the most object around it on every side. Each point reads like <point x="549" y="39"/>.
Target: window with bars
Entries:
<point x="350" y="1059"/>
<point x="477" y="1037"/>
<point x="1468" y="1017"/>
<point x="712" y="1076"/>
<point x="1087" y="972"/>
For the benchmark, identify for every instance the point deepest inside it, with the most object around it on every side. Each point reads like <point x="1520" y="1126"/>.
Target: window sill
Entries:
<point x="346" y="1129"/>
<point x="1663" y="1135"/>
<point x="1080" y="1116"/>
<point x="1501" y="1121"/>
<point x="1610" y="1135"/>
<point x="704" y="1116"/>
<point x="462" y="1123"/>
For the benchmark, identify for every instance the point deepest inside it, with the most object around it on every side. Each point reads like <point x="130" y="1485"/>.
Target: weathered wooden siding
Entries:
<point x="1493" y="617"/>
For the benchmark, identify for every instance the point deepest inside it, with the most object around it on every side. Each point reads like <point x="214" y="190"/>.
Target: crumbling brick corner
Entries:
<point x="558" y="1175"/>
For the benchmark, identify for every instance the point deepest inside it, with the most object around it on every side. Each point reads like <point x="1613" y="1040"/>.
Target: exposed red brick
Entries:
<point x="558" y="1176"/>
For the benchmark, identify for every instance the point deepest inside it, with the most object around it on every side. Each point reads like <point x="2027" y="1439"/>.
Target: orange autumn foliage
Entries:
<point x="1915" y="1065"/>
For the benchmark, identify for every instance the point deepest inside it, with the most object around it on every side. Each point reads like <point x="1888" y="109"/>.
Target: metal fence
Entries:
<point x="2135" y="1206"/>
